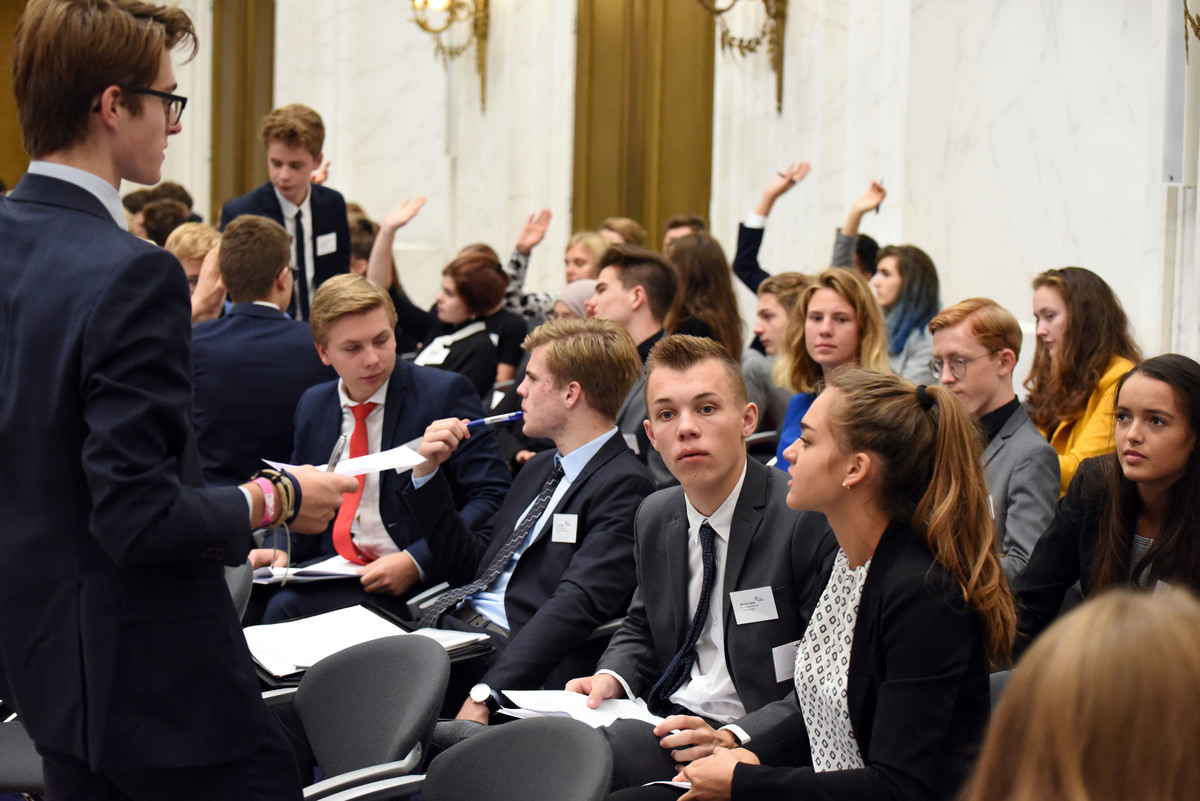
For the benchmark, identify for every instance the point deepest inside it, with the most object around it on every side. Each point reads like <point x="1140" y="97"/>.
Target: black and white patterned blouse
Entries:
<point x="823" y="669"/>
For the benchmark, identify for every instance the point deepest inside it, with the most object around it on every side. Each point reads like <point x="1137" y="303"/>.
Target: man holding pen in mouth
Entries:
<point x="556" y="560"/>
<point x="379" y="403"/>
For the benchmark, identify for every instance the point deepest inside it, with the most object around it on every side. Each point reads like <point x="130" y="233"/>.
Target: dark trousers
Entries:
<point x="637" y="756"/>
<point x="268" y="774"/>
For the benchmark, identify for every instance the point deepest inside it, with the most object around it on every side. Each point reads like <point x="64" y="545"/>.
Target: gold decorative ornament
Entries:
<point x="437" y="17"/>
<point x="771" y="34"/>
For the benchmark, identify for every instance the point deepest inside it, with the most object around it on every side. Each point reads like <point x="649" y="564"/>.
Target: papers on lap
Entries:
<point x="399" y="459"/>
<point x="560" y="703"/>
<point x="335" y="567"/>
<point x="283" y="649"/>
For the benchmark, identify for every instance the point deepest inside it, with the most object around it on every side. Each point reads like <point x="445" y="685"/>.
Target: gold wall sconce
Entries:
<point x="770" y="34"/>
<point x="439" y="16"/>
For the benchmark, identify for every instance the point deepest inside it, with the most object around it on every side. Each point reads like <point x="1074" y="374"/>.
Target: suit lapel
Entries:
<point x="395" y="402"/>
<point x="1007" y="430"/>
<point x="677" y="544"/>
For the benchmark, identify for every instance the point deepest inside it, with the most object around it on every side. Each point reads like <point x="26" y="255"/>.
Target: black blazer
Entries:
<point x="117" y="634"/>
<point x="416" y="396"/>
<point x="250" y="367"/>
<point x="329" y="217"/>
<point x="1063" y="555"/>
<point x="918" y="691"/>
<point x="770" y="545"/>
<point x="559" y="592"/>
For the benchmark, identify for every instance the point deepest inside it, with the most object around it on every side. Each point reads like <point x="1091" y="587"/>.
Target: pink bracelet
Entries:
<point x="268" y="491"/>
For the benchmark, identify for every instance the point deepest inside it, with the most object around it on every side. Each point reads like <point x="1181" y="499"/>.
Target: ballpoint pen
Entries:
<point x="336" y="455"/>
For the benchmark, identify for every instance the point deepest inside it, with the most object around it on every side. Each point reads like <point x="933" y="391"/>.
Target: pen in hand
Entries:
<point x="336" y="455"/>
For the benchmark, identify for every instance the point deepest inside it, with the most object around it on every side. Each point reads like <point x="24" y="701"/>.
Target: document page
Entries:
<point x="399" y="459"/>
<point x="574" y="705"/>
<point x="335" y="567"/>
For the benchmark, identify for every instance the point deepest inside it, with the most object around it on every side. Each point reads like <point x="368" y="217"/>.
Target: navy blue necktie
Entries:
<point x="301" y="268"/>
<point x="680" y="668"/>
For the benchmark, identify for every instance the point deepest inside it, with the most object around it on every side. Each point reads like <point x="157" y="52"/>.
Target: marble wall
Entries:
<point x="1011" y="137"/>
<point x="189" y="153"/>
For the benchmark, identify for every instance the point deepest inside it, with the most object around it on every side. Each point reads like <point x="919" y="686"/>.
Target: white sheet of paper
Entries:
<point x="565" y="529"/>
<point x="561" y="703"/>
<point x="684" y="785"/>
<point x="784" y="657"/>
<point x="399" y="459"/>
<point x="326" y="243"/>
<point x="335" y="567"/>
<point x="753" y="606"/>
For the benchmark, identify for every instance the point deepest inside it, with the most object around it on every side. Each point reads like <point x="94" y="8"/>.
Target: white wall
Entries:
<point x="189" y="152"/>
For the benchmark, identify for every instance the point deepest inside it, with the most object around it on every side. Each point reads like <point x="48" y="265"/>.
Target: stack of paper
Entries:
<point x="560" y="703"/>
<point x="291" y="647"/>
<point x="335" y="567"/>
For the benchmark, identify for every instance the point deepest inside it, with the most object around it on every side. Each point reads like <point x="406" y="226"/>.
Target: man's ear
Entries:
<point x="572" y="394"/>
<point x="324" y="354"/>
<point x="109" y="106"/>
<point x="639" y="297"/>
<point x="650" y="433"/>
<point x="1007" y="362"/>
<point x="749" y="419"/>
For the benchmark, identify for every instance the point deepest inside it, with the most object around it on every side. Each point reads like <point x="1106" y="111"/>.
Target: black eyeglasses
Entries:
<point x="173" y="104"/>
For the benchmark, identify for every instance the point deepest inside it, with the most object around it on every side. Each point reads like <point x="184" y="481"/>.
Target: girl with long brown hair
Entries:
<point x="1102" y="708"/>
<point x="836" y="322"/>
<point x="1084" y="345"/>
<point x="892" y="673"/>
<point x="705" y="304"/>
<point x="1132" y="517"/>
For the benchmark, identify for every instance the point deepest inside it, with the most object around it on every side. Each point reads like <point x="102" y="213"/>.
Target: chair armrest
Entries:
<point x="423" y="600"/>
<point x="333" y="786"/>
<point x="762" y="436"/>
<point x="399" y="787"/>
<point x="605" y="630"/>
<point x="281" y="697"/>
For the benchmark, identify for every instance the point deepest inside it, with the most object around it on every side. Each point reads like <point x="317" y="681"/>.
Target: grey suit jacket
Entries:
<point x="1021" y="469"/>
<point x="769" y="546"/>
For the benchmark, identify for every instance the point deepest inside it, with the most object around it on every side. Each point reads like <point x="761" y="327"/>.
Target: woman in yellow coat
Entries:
<point x="1084" y="347"/>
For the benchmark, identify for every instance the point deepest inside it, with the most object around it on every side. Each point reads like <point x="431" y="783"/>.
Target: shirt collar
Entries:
<point x="289" y="208"/>
<point x="722" y="519"/>
<point x="993" y="421"/>
<point x="576" y="460"/>
<point x="101" y="189"/>
<point x="378" y="398"/>
<point x="266" y="303"/>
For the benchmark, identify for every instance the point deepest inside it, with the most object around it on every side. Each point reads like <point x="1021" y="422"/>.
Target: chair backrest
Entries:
<point x="20" y="763"/>
<point x="371" y="703"/>
<point x="555" y="759"/>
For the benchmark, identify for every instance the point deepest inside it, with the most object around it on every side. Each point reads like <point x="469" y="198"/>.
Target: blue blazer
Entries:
<point x="118" y="638"/>
<point x="416" y="396"/>
<point x="329" y="217"/>
<point x="559" y="592"/>
<point x="251" y="367"/>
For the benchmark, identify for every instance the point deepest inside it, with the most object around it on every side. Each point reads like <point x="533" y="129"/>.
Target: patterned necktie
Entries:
<point x="452" y="598"/>
<point x="343" y="541"/>
<point x="301" y="269"/>
<point x="659" y="700"/>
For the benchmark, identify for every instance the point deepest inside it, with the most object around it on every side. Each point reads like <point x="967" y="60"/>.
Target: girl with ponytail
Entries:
<point x="892" y="674"/>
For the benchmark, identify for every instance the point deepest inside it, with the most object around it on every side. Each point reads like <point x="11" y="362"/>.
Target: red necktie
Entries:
<point x="342" y="540"/>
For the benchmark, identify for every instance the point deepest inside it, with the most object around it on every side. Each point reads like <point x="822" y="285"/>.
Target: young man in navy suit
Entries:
<point x="557" y="560"/>
<point x="381" y="403"/>
<point x="251" y="366"/>
<point x="314" y="215"/>
<point x="705" y="660"/>
<point x="119" y="645"/>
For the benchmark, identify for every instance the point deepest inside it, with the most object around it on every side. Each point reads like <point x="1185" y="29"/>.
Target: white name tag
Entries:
<point x="753" y="606"/>
<point x="566" y="529"/>
<point x="326" y="243"/>
<point x="784" y="657"/>
<point x="631" y="441"/>
<point x="434" y="355"/>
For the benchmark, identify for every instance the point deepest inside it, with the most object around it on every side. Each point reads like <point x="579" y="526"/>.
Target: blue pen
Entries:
<point x="499" y="418"/>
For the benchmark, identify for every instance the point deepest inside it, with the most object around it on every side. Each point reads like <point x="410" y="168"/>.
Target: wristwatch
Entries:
<point x="483" y="694"/>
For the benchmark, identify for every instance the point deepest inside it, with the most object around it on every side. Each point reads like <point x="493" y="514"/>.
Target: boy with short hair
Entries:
<point x="314" y="215"/>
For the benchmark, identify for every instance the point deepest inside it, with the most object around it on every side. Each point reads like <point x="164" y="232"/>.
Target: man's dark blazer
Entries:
<point x="416" y="396"/>
<point x="251" y="367"/>
<point x="769" y="545"/>
<point x="118" y="638"/>
<point x="558" y="592"/>
<point x="329" y="217"/>
<point x="918" y="691"/>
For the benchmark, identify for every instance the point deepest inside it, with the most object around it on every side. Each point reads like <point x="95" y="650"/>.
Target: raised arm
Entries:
<point x="380" y="269"/>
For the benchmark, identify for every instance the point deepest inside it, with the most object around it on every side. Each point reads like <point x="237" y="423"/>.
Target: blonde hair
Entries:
<point x="295" y="125"/>
<point x="682" y="351"/>
<point x="788" y="288"/>
<point x="795" y="369"/>
<point x="987" y="322"/>
<point x="192" y="241"/>
<point x="628" y="229"/>
<point x="599" y="355"/>
<point x="594" y="244"/>
<point x="932" y="479"/>
<point x="343" y="295"/>
<point x="1102" y="707"/>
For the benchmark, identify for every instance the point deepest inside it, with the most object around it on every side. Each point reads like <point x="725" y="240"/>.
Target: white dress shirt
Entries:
<point x="289" y="221"/>
<point x="367" y="528"/>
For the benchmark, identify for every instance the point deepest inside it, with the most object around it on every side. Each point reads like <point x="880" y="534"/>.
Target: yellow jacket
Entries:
<point x="1090" y="432"/>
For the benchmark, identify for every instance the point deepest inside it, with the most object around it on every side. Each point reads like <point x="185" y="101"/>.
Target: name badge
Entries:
<point x="566" y="529"/>
<point x="753" y="606"/>
<point x="434" y="355"/>
<point x="784" y="657"/>
<point x="326" y="243"/>
<point x="631" y="441"/>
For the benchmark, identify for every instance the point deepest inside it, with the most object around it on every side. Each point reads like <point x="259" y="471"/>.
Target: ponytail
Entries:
<point x="943" y="498"/>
